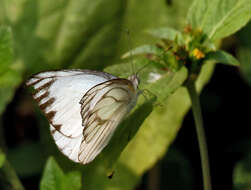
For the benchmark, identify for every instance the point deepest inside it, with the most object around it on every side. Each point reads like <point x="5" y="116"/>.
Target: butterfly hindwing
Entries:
<point x="102" y="108"/>
<point x="69" y="146"/>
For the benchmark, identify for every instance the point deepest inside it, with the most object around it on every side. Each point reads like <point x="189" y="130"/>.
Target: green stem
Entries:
<point x="200" y="135"/>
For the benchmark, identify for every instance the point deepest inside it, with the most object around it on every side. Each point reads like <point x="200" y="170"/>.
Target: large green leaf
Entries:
<point x="152" y="138"/>
<point x="155" y="135"/>
<point x="10" y="75"/>
<point x="219" y="18"/>
<point x="105" y="164"/>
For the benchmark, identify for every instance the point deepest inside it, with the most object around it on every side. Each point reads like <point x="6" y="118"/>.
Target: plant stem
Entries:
<point x="200" y="135"/>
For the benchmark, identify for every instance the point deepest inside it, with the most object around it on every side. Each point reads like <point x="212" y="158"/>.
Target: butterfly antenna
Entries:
<point x="130" y="51"/>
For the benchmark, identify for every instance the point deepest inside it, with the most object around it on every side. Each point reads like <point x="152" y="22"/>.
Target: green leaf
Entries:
<point x="54" y="178"/>
<point x="219" y="18"/>
<point x="242" y="174"/>
<point x="151" y="91"/>
<point x="145" y="49"/>
<point x="167" y="33"/>
<point x="10" y="74"/>
<point x="223" y="57"/>
<point x="2" y="158"/>
<point x="95" y="173"/>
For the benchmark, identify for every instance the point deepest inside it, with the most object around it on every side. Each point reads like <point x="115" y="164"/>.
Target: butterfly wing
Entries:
<point x="58" y="94"/>
<point x="102" y="109"/>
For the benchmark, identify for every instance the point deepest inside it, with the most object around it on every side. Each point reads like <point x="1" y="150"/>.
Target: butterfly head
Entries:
<point x="135" y="80"/>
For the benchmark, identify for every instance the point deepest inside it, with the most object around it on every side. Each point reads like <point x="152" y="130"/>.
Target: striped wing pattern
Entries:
<point x="83" y="108"/>
<point x="102" y="109"/>
<point x="58" y="94"/>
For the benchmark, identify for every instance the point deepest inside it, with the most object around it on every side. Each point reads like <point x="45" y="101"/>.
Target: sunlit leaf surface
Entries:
<point x="219" y="18"/>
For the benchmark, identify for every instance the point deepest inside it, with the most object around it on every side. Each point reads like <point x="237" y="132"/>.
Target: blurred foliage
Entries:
<point x="43" y="35"/>
<point x="2" y="158"/>
<point x="64" y="33"/>
<point x="10" y="76"/>
<point x="242" y="174"/>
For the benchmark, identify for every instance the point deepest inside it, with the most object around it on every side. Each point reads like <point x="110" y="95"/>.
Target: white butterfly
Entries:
<point x="84" y="108"/>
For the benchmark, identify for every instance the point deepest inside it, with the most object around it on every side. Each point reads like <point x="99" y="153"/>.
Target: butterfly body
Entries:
<point x="83" y="108"/>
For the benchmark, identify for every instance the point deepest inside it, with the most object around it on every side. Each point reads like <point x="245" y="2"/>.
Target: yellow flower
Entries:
<point x="198" y="54"/>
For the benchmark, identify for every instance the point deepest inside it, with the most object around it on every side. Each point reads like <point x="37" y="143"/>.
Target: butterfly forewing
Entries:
<point x="107" y="108"/>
